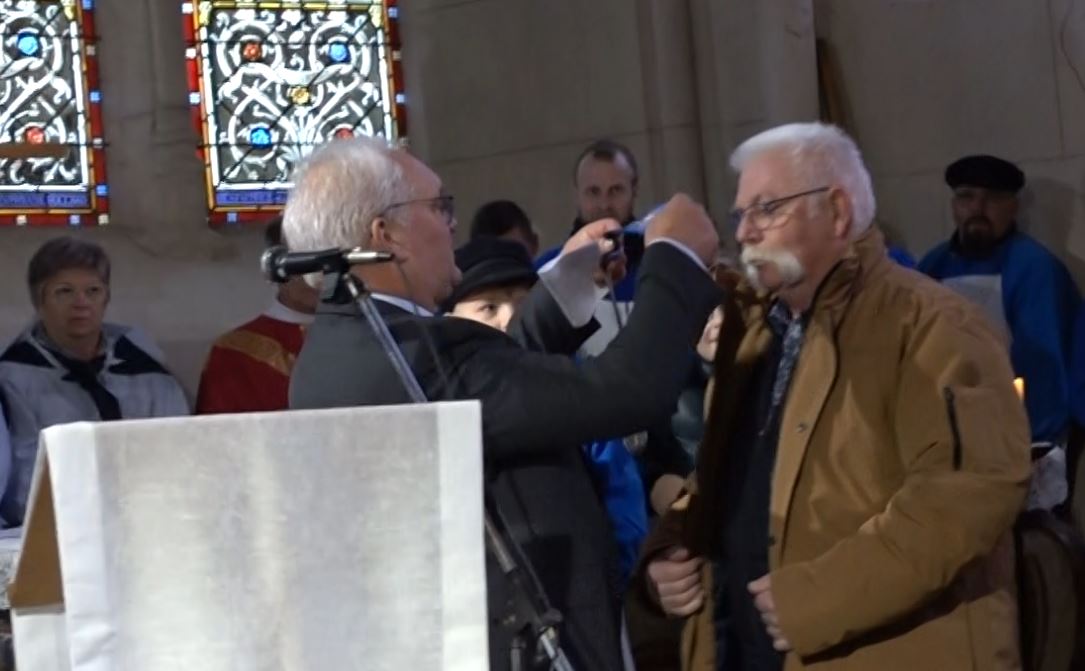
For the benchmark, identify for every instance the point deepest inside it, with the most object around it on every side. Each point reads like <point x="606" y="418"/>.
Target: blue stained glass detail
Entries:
<point x="231" y="217"/>
<point x="260" y="136"/>
<point x="88" y="5"/>
<point x="102" y="190"/>
<point x="250" y="197"/>
<point x="28" y="44"/>
<point x="21" y="200"/>
<point x="67" y="200"/>
<point x="339" y="52"/>
<point x="38" y="200"/>
<point x="393" y="12"/>
<point x="95" y="96"/>
<point x="401" y="99"/>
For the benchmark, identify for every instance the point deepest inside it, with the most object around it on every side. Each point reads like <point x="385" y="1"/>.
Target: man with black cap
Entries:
<point x="1025" y="290"/>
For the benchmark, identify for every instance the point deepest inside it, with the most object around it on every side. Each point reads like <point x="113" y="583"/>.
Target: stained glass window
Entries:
<point x="49" y="97"/>
<point x="269" y="81"/>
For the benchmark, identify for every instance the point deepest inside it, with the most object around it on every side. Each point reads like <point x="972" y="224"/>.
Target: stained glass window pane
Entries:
<point x="269" y="81"/>
<point x="52" y="164"/>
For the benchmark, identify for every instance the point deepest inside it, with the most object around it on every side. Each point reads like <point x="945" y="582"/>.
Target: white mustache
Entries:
<point x="787" y="264"/>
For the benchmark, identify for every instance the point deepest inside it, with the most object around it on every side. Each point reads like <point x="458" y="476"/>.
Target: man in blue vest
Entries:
<point x="1025" y="290"/>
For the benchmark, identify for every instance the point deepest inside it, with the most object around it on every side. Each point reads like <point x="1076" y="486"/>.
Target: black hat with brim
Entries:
<point x="490" y="262"/>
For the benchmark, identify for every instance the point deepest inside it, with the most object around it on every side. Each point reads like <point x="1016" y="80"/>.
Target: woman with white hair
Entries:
<point x="70" y="366"/>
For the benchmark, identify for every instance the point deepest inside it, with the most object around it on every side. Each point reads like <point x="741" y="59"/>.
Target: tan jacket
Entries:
<point x="902" y="463"/>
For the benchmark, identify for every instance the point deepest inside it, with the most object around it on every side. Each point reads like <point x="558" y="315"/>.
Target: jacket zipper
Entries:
<point x="951" y="410"/>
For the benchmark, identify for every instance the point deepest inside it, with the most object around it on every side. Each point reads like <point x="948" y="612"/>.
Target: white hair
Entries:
<point x="339" y="190"/>
<point x="823" y="155"/>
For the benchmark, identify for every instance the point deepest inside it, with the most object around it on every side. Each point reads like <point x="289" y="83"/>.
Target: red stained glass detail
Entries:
<point x="34" y="135"/>
<point x="252" y="51"/>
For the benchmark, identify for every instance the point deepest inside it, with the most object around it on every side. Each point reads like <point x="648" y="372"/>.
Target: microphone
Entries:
<point x="279" y="264"/>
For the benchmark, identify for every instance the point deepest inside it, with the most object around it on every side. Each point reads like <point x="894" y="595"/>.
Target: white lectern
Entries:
<point x="332" y="539"/>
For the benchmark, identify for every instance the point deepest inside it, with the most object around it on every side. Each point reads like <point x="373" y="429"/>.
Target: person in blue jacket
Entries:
<point x="1025" y="290"/>
<point x="900" y="255"/>
<point x="1077" y="370"/>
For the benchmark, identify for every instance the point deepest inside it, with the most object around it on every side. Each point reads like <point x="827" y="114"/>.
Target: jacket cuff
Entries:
<point x="570" y="281"/>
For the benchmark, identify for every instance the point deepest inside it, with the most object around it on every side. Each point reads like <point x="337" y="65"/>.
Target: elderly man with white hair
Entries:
<point x="865" y="453"/>
<point x="538" y="405"/>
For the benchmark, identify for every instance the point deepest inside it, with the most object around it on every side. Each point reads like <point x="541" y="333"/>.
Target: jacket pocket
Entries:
<point x="986" y="431"/>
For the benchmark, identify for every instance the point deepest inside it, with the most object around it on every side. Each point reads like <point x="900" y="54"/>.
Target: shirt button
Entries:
<point x="803" y="426"/>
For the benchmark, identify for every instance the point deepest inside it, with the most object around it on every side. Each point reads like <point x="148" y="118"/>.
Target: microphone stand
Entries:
<point x="533" y="620"/>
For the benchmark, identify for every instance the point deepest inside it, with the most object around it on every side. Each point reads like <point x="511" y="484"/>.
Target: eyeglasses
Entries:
<point x="763" y="216"/>
<point x="445" y="205"/>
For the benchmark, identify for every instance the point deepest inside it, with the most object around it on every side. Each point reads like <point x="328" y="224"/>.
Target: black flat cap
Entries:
<point x="988" y="172"/>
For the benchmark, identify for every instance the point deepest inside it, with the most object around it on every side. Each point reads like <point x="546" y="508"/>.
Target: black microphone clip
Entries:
<point x="279" y="264"/>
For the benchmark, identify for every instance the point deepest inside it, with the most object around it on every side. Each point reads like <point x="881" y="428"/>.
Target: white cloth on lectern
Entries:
<point x="333" y="539"/>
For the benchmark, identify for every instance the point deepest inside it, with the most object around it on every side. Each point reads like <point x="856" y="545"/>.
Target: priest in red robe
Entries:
<point x="248" y="369"/>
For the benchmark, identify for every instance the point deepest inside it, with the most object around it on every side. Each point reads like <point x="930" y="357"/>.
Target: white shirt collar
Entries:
<point x="403" y="304"/>
<point x="289" y="315"/>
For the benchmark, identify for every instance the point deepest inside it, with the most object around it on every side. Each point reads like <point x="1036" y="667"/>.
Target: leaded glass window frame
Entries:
<point x="50" y="96"/>
<point x="271" y="80"/>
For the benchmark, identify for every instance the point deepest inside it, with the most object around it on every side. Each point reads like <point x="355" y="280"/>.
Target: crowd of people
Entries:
<point x="812" y="455"/>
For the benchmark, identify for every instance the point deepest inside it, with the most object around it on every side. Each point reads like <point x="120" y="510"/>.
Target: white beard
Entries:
<point x="787" y="266"/>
